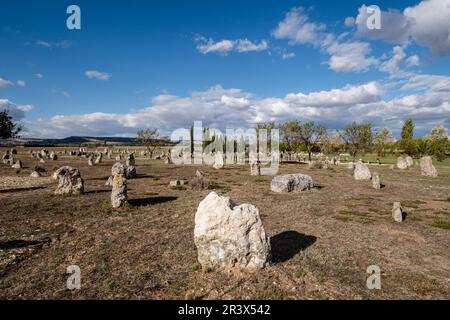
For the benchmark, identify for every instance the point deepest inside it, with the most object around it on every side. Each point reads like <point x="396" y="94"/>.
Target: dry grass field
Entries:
<point x="322" y="240"/>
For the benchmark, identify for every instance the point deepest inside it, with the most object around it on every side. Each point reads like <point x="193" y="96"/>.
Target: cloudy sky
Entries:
<point x="231" y="64"/>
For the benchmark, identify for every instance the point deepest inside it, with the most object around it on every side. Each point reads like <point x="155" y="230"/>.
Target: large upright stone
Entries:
<point x="99" y="158"/>
<point x="218" y="161"/>
<point x="361" y="172"/>
<point x="291" y="183"/>
<point x="230" y="236"/>
<point x="131" y="162"/>
<point x="53" y="156"/>
<point x="427" y="168"/>
<point x="69" y="181"/>
<point x="409" y="161"/>
<point x="402" y="164"/>
<point x="119" y="194"/>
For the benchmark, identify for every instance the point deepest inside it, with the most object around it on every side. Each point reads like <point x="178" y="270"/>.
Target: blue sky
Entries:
<point x="166" y="63"/>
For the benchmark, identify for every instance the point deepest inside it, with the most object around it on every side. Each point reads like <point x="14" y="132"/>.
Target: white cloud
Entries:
<point x="98" y="75"/>
<point x="350" y="56"/>
<point x="21" y="83"/>
<point x="38" y="75"/>
<point x="413" y="61"/>
<point x="345" y="55"/>
<point x="221" y="108"/>
<point x="392" y="65"/>
<point x="225" y="46"/>
<point x="349" y="22"/>
<point x="297" y="28"/>
<point x="5" y="83"/>
<point x="64" y="44"/>
<point x="428" y="24"/>
<point x="287" y="55"/>
<point x="17" y="112"/>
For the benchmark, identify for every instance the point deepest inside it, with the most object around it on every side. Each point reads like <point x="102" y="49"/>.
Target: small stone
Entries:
<point x="376" y="181"/>
<point x="397" y="212"/>
<point x="35" y="174"/>
<point x="69" y="181"/>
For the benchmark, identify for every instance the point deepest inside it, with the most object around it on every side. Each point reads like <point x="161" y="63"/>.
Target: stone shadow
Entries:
<point x="287" y="244"/>
<point x="150" y="201"/>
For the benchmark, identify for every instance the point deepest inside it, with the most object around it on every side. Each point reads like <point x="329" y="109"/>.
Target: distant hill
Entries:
<point x="73" y="140"/>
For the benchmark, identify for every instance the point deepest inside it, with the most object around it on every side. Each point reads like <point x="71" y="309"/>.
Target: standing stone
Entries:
<point x="361" y="172"/>
<point x="397" y="212"/>
<point x="69" y="181"/>
<point x="17" y="165"/>
<point x="230" y="236"/>
<point x="119" y="186"/>
<point x="255" y="168"/>
<point x="13" y="151"/>
<point x="99" y="158"/>
<point x="53" y="156"/>
<point x="109" y="182"/>
<point x="131" y="162"/>
<point x="291" y="183"/>
<point x="90" y="163"/>
<point x="427" y="168"/>
<point x="402" y="164"/>
<point x="218" y="161"/>
<point x="6" y="157"/>
<point x="409" y="161"/>
<point x="376" y="181"/>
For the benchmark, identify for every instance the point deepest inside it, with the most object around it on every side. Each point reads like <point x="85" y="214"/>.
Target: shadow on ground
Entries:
<point x="287" y="244"/>
<point x="150" y="201"/>
<point x="16" y="244"/>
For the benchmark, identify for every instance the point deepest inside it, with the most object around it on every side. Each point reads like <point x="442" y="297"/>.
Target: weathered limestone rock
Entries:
<point x="291" y="183"/>
<point x="397" y="212"/>
<point x="361" y="172"/>
<point x="6" y="157"/>
<point x="17" y="165"/>
<point x="119" y="194"/>
<point x="69" y="181"/>
<point x="230" y="236"/>
<point x="99" y="158"/>
<point x="409" y="161"/>
<point x="402" y="164"/>
<point x="109" y="182"/>
<point x="255" y="168"/>
<point x="427" y="168"/>
<point x="35" y="174"/>
<point x="53" y="156"/>
<point x="218" y="161"/>
<point x="376" y="181"/>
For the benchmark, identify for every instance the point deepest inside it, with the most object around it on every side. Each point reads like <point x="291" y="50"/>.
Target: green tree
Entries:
<point x="357" y="137"/>
<point x="408" y="130"/>
<point x="382" y="140"/>
<point x="311" y="134"/>
<point x="290" y="135"/>
<point x="150" y="139"/>
<point x="8" y="129"/>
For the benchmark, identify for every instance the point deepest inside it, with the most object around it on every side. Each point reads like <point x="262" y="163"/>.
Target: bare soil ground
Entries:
<point x="323" y="240"/>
